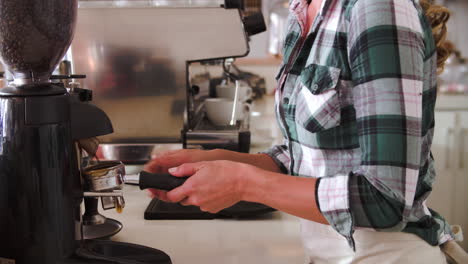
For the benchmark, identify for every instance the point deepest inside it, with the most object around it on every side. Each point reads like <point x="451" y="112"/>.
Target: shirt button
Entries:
<point x="285" y="100"/>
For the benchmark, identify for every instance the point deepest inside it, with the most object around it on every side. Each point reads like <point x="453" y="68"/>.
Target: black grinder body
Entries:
<point x="39" y="192"/>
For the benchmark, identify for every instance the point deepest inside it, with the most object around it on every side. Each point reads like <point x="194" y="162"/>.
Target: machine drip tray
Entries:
<point x="104" y="251"/>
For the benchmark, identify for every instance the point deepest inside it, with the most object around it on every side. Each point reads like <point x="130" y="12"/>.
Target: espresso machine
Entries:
<point x="141" y="65"/>
<point x="45" y="130"/>
<point x="141" y="69"/>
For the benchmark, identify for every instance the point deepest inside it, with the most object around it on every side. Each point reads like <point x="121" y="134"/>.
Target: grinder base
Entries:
<point x="105" y="252"/>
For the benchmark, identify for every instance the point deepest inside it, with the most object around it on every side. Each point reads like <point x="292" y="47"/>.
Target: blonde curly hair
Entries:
<point x="438" y="16"/>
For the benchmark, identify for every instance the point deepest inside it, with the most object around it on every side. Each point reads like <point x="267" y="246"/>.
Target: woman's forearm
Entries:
<point x="290" y="194"/>
<point x="267" y="185"/>
<point x="262" y="161"/>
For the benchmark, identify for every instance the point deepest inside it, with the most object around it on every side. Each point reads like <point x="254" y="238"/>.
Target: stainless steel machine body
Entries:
<point x="136" y="57"/>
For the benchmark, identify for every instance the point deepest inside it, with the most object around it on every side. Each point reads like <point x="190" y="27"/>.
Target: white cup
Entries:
<point x="229" y="91"/>
<point x="219" y="110"/>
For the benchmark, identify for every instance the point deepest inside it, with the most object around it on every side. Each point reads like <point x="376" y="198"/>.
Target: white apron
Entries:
<point x="324" y="245"/>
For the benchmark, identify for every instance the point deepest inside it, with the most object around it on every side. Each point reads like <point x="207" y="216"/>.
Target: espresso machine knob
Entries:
<point x="254" y="24"/>
<point x="234" y="4"/>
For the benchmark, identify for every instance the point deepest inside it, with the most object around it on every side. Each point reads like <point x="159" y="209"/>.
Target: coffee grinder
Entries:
<point x="43" y="128"/>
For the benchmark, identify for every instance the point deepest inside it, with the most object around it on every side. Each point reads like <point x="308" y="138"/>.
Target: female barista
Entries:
<point x="355" y="102"/>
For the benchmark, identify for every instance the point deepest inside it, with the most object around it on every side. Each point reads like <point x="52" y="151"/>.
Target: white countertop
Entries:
<point x="451" y="102"/>
<point x="272" y="239"/>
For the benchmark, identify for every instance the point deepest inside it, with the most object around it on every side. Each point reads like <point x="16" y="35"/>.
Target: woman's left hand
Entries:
<point x="212" y="185"/>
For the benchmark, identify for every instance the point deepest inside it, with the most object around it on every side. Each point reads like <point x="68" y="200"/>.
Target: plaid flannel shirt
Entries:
<point x="355" y="103"/>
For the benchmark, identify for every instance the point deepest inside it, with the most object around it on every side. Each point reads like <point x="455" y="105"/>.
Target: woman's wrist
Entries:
<point x="266" y="162"/>
<point x="261" y="160"/>
<point x="251" y="180"/>
<point x="221" y="154"/>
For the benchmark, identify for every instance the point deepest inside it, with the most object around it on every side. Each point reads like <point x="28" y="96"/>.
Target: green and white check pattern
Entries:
<point x="355" y="103"/>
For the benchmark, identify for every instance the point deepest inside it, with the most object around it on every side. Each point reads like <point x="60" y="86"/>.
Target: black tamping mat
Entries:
<point x="160" y="210"/>
<point x="244" y="209"/>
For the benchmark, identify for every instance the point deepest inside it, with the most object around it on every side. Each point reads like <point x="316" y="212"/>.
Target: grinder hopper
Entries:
<point x="34" y="36"/>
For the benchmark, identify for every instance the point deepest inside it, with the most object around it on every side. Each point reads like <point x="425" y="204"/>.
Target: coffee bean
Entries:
<point x="35" y="34"/>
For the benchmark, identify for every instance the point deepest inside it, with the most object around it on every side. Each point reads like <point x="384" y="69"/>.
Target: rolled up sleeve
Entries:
<point x="280" y="155"/>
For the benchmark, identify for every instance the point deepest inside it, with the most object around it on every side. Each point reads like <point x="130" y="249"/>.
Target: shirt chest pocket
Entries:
<point x="318" y="104"/>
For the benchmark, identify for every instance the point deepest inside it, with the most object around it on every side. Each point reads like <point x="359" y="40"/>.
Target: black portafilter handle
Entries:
<point x="160" y="181"/>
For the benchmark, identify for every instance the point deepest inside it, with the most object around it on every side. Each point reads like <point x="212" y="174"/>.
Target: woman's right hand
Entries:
<point x="161" y="163"/>
<point x="166" y="160"/>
